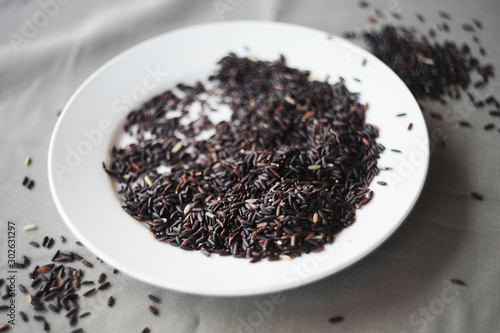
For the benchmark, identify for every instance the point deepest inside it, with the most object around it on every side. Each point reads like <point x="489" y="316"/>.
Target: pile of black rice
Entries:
<point x="429" y="69"/>
<point x="281" y="178"/>
<point x="433" y="67"/>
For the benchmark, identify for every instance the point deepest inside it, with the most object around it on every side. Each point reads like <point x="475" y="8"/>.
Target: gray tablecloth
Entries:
<point x="48" y="47"/>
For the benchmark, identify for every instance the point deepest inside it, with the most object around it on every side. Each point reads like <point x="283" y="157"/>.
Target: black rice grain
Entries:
<point x="38" y="318"/>
<point x="458" y="282"/>
<point x="19" y="265"/>
<point x="111" y="301"/>
<point x="349" y="35"/>
<point x="336" y="319"/>
<point x="85" y="314"/>
<point x="74" y="319"/>
<point x="476" y="196"/>
<point x="154" y="299"/>
<point x="56" y="255"/>
<point x="23" y="316"/>
<point x="26" y="260"/>
<point x="22" y="289"/>
<point x="54" y="308"/>
<point x="86" y="263"/>
<point x="71" y="312"/>
<point x="89" y="292"/>
<point x="436" y="115"/>
<point x="444" y="15"/>
<point x="34" y="244"/>
<point x="467" y="27"/>
<point x="44" y="269"/>
<point x="50" y="243"/>
<point x="479" y="104"/>
<point x="490" y="100"/>
<point x="362" y="4"/>
<point x="104" y="286"/>
<point x="153" y="310"/>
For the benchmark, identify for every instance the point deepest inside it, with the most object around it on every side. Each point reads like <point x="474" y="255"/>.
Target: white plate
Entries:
<point x="92" y="121"/>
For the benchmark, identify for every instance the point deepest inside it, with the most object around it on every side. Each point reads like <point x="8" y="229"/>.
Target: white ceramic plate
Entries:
<point x="92" y="120"/>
